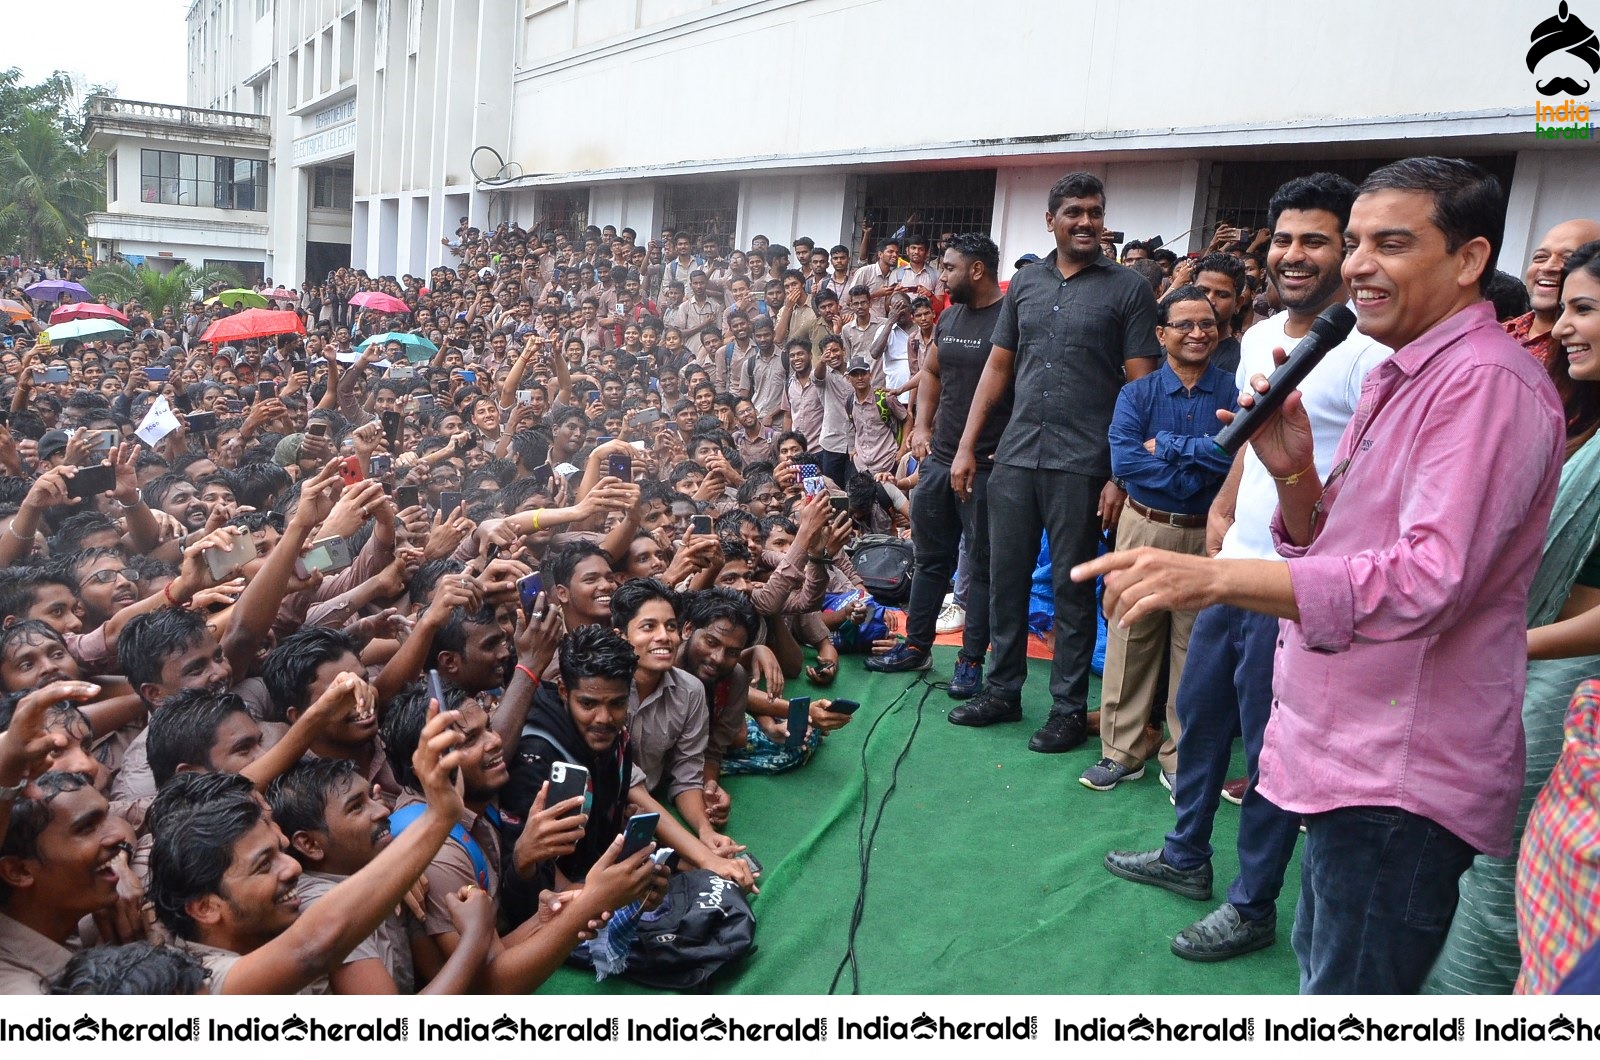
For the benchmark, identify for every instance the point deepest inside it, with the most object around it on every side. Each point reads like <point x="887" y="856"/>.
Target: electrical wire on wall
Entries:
<point x="490" y="168"/>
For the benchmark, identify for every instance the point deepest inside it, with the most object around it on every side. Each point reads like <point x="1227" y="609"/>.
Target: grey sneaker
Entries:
<point x="1107" y="774"/>
<point x="1222" y="934"/>
<point x="1168" y="781"/>
<point x="1147" y="867"/>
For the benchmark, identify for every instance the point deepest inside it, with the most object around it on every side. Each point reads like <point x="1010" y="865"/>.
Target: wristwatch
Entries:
<point x="10" y="794"/>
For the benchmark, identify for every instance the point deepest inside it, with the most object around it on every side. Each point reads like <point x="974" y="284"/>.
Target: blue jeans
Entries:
<point x="1226" y="691"/>
<point x="1378" y="888"/>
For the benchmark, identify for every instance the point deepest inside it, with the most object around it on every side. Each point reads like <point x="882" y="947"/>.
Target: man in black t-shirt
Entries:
<point x="950" y="374"/>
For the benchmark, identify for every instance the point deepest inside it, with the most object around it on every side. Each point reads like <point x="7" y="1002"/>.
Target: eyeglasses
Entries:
<point x="1186" y="326"/>
<point x="102" y="577"/>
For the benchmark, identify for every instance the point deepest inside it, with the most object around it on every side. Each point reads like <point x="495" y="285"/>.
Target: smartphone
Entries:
<point x="700" y="524"/>
<point x="1118" y="238"/>
<point x="407" y="497"/>
<point x="425" y="401"/>
<point x="233" y="405"/>
<point x="330" y="555"/>
<point x="638" y="833"/>
<point x="799" y="721"/>
<point x="223" y="562"/>
<point x="157" y="373"/>
<point x="317" y="429"/>
<point x="543" y="474"/>
<point x="350" y="470"/>
<point x="524" y="397"/>
<point x="391" y="422"/>
<point x="298" y="364"/>
<point x="401" y="371"/>
<point x="840" y="504"/>
<point x="103" y="441"/>
<point x="469" y="377"/>
<point x="92" y="481"/>
<point x="379" y="465"/>
<point x="844" y="706"/>
<point x="645" y="417"/>
<point x="812" y="486"/>
<point x="200" y="422"/>
<point x="266" y="390"/>
<point x="449" y="501"/>
<point x="52" y="375"/>
<point x="436" y="689"/>
<point x="594" y="395"/>
<point x="809" y="471"/>
<point x="528" y="589"/>
<point x="567" y="781"/>
<point x="620" y="465"/>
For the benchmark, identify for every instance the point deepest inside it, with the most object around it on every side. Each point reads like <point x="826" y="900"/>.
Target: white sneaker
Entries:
<point x="952" y="618"/>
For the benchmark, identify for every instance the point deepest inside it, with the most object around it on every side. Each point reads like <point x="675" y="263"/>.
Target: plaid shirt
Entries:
<point x="1558" y="873"/>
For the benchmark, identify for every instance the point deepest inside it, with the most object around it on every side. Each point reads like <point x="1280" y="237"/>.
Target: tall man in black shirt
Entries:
<point x="1070" y="329"/>
<point x="950" y="374"/>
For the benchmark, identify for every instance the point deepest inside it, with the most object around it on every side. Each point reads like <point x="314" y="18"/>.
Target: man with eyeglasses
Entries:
<point x="1163" y="455"/>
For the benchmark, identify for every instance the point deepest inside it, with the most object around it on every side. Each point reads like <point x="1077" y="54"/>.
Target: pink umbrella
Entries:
<point x="86" y="311"/>
<point x="380" y="302"/>
<point x="278" y="293"/>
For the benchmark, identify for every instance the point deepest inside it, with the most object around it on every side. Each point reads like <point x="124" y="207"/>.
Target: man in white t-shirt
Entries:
<point x="1226" y="690"/>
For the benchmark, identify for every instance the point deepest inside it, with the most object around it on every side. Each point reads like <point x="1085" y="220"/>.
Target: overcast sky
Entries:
<point x="137" y="45"/>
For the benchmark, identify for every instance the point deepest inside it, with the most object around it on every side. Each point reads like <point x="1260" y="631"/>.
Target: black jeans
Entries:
<point x="835" y="466"/>
<point x="1023" y="503"/>
<point x="1378" y="888"/>
<point x="938" y="520"/>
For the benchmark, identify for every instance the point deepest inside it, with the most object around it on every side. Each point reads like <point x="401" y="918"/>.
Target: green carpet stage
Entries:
<point x="986" y="875"/>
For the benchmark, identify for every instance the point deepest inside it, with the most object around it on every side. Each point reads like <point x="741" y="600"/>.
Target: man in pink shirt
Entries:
<point x="1396" y="727"/>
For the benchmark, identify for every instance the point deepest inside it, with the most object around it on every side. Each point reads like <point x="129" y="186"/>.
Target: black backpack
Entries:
<point x="885" y="565"/>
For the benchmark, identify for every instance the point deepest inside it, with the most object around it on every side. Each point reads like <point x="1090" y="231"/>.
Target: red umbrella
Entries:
<point x="86" y="311"/>
<point x="380" y="302"/>
<point x="254" y="324"/>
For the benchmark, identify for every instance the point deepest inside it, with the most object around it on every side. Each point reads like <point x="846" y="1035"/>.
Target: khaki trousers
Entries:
<point x="1136" y="656"/>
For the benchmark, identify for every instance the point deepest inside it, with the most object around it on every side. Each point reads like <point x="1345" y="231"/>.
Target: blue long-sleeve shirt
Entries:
<point x="1187" y="468"/>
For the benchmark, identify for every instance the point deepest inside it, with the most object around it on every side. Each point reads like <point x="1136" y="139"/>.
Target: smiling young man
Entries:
<point x="1543" y="280"/>
<point x="1226" y="689"/>
<point x="1415" y="557"/>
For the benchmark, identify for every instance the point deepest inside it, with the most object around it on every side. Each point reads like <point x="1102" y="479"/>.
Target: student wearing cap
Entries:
<point x="876" y="420"/>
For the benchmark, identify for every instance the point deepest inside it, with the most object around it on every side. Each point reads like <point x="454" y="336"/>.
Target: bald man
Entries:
<point x="1543" y="280"/>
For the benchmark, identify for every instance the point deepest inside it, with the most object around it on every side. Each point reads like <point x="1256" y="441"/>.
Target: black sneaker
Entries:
<point x="1060" y="733"/>
<point x="985" y="708"/>
<point x="1223" y="933"/>
<point x="901" y="659"/>
<point x="1146" y="866"/>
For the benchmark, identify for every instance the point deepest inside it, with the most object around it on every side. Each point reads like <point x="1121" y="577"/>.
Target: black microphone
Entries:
<point x="1331" y="327"/>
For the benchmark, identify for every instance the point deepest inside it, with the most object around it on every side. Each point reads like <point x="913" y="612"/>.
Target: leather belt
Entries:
<point x="1182" y="522"/>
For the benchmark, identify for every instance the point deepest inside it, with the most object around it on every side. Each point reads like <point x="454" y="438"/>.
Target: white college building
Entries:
<point x="386" y="121"/>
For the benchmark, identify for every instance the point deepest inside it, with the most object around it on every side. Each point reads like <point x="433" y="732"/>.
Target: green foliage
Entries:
<point x="160" y="292"/>
<point x="48" y="180"/>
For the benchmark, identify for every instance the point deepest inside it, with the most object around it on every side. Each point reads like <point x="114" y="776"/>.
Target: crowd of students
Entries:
<point x="305" y="633"/>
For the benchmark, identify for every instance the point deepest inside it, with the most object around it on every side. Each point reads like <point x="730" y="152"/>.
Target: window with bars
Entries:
<point x="710" y="209"/>
<point x="1240" y="191"/>
<point x="564" y="210"/>
<point x="332" y="187"/>
<point x="926" y="204"/>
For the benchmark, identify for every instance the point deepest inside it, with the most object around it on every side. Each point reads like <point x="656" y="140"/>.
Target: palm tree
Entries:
<point x="47" y="185"/>
<point x="161" y="293"/>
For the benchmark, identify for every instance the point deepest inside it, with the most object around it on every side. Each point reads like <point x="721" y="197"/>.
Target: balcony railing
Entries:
<point x="108" y="107"/>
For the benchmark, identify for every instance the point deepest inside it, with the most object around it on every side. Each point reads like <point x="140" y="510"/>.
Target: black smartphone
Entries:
<point x="449" y="501"/>
<point x="266" y="389"/>
<point x="406" y="497"/>
<point x="567" y="781"/>
<point x="391" y="428"/>
<point x="700" y="524"/>
<point x="844" y="706"/>
<point x="297" y="364"/>
<point x="620" y="465"/>
<point x="233" y="405"/>
<point x="638" y="833"/>
<point x="92" y="481"/>
<point x="543" y="474"/>
<point x="799" y="721"/>
<point x="1117" y="237"/>
<point x="200" y="422"/>
<point x="840" y="504"/>
<point x="528" y="589"/>
<point x="318" y="429"/>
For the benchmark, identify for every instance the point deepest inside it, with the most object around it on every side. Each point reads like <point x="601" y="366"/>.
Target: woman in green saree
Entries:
<point x="1481" y="955"/>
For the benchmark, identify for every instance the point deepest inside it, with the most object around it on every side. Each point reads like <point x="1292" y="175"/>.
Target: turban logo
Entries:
<point x="1565" y="32"/>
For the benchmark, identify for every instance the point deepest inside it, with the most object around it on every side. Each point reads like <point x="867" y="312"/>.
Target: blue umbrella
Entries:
<point x="417" y="348"/>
